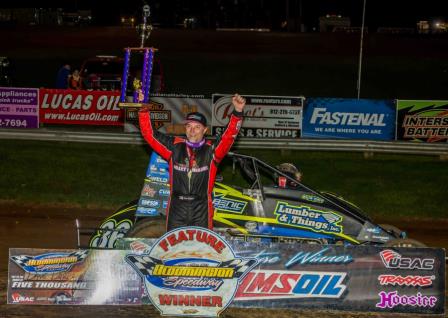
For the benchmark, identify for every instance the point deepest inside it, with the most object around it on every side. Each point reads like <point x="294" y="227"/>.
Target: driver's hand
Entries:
<point x="238" y="102"/>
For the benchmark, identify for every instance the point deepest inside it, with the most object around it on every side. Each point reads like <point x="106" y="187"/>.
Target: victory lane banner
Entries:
<point x="422" y="120"/>
<point x="264" y="116"/>
<point x="345" y="118"/>
<point x="80" y="107"/>
<point x="195" y="272"/>
<point x="19" y="107"/>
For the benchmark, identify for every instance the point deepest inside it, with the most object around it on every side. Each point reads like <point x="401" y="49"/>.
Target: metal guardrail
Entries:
<point x="366" y="146"/>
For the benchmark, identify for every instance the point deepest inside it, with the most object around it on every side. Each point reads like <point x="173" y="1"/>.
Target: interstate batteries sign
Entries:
<point x="422" y="120"/>
<point x="264" y="116"/>
<point x="349" y="118"/>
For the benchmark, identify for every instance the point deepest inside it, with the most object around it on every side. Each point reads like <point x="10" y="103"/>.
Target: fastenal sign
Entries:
<point x="349" y="118"/>
<point x="264" y="116"/>
<point x="191" y="271"/>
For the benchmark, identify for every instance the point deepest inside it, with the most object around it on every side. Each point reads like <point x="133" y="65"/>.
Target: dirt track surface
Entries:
<point x="43" y="227"/>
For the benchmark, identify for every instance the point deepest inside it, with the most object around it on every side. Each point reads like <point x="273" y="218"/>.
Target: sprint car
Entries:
<point x="265" y="210"/>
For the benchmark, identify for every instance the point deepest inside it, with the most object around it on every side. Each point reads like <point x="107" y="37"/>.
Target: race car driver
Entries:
<point x="193" y="164"/>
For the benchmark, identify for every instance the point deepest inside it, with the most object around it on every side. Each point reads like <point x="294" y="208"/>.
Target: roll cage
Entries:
<point x="252" y="168"/>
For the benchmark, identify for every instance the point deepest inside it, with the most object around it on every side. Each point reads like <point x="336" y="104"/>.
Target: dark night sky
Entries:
<point x="251" y="13"/>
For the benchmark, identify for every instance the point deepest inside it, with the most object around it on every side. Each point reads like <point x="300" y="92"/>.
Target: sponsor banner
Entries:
<point x="19" y="107"/>
<point x="422" y="120"/>
<point x="264" y="116"/>
<point x="80" y="107"/>
<point x="168" y="112"/>
<point x="156" y="189"/>
<point x="349" y="118"/>
<point x="71" y="277"/>
<point x="192" y="271"/>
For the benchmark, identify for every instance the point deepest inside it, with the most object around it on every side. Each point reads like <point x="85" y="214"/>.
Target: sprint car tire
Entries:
<point x="407" y="242"/>
<point x="148" y="228"/>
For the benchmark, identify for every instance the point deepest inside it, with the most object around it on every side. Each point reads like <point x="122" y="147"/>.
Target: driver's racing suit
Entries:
<point x="192" y="171"/>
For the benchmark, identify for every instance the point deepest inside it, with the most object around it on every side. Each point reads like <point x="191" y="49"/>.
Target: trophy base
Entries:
<point x="133" y="105"/>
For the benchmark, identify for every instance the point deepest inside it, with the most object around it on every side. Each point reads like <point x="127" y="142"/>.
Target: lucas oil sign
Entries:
<point x="191" y="271"/>
<point x="59" y="106"/>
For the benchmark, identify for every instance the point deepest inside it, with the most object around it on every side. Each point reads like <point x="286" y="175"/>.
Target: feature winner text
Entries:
<point x="190" y="277"/>
<point x="190" y="300"/>
<point x="192" y="235"/>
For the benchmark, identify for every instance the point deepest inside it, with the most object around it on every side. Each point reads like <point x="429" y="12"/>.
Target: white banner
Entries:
<point x="264" y="116"/>
<point x="170" y="111"/>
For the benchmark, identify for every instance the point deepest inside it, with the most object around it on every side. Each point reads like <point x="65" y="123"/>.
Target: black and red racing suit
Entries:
<point x="192" y="171"/>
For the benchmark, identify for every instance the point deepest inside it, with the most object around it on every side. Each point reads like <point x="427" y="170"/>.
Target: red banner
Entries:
<point x="59" y="106"/>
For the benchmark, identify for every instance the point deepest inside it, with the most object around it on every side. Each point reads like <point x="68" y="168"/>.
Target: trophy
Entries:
<point x="140" y="85"/>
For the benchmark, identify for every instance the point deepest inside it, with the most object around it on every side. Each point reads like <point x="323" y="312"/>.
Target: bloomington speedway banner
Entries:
<point x="195" y="272"/>
<point x="422" y="120"/>
<point x="349" y="118"/>
<point x="80" y="107"/>
<point x="19" y="107"/>
<point x="168" y="112"/>
<point x="264" y="116"/>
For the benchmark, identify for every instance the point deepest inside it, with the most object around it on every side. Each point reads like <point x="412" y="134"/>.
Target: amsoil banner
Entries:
<point x="80" y="107"/>
<point x="168" y="112"/>
<point x="349" y="118"/>
<point x="422" y="120"/>
<point x="190" y="271"/>
<point x="19" y="107"/>
<point x="264" y="116"/>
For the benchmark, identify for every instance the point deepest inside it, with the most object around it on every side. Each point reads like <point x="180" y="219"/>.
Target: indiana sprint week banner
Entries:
<point x="193" y="272"/>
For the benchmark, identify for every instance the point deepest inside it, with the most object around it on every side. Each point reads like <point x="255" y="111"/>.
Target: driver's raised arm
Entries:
<point x="228" y="137"/>
<point x="159" y="142"/>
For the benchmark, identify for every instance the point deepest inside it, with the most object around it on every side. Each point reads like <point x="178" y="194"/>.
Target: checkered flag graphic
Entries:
<point x="143" y="263"/>
<point x="80" y="255"/>
<point x="22" y="260"/>
<point x="241" y="266"/>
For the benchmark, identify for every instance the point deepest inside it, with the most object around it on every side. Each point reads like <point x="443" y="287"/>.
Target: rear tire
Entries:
<point x="148" y="228"/>
<point x="404" y="243"/>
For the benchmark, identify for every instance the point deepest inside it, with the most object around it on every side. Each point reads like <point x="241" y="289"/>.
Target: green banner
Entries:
<point x="422" y="120"/>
